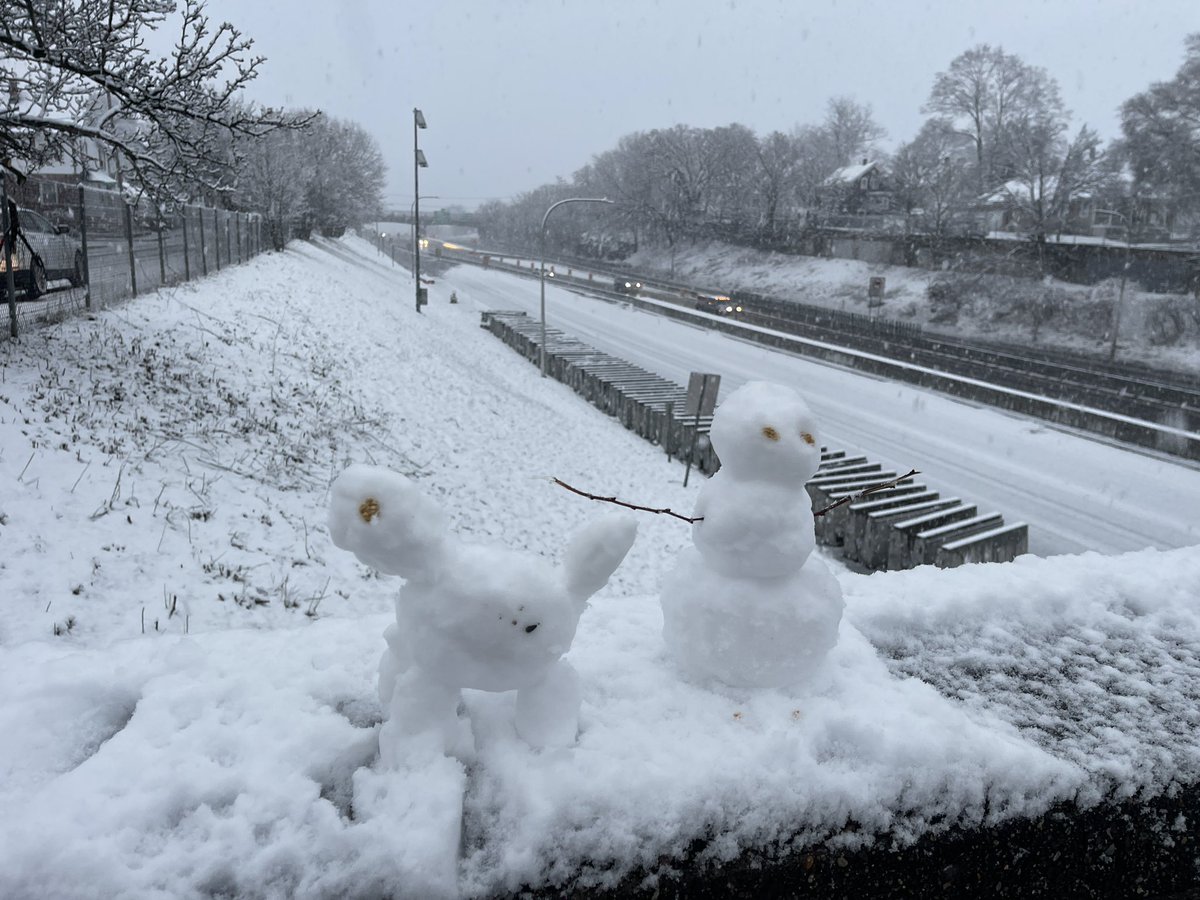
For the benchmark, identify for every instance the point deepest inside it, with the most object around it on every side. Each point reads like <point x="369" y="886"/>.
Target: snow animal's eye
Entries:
<point x="770" y="433"/>
<point x="807" y="438"/>
<point x="368" y="509"/>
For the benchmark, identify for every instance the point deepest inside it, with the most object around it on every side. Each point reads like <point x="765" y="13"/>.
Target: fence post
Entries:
<point x="217" y="238"/>
<point x="83" y="245"/>
<point x="203" y="242"/>
<point x="10" y="283"/>
<point x="129" y="243"/>
<point x="187" y="266"/>
<point x="238" y="223"/>
<point x="228" y="242"/>
<point x="162" y="254"/>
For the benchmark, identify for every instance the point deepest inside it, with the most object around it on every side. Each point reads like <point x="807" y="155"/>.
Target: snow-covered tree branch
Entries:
<point x="80" y="83"/>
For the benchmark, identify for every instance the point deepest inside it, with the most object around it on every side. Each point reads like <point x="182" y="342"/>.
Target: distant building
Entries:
<point x="858" y="189"/>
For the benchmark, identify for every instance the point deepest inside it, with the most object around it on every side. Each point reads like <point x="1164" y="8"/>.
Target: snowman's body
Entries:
<point x="748" y="604"/>
<point x="471" y="616"/>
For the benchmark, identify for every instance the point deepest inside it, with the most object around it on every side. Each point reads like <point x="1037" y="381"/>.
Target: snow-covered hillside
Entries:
<point x="188" y="663"/>
<point x="994" y="307"/>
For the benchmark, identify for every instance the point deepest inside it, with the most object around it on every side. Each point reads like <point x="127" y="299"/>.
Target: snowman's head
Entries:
<point x="766" y="431"/>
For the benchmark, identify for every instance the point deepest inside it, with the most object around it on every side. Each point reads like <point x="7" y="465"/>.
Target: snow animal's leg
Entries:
<point x="420" y="706"/>
<point x="395" y="661"/>
<point x="548" y="712"/>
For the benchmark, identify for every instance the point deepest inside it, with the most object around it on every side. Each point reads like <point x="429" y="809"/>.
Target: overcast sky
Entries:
<point x="520" y="92"/>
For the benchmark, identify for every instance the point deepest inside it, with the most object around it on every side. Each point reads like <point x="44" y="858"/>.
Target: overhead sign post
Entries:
<point x="701" y="401"/>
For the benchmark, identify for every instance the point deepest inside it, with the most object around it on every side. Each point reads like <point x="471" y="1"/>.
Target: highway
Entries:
<point x="1076" y="493"/>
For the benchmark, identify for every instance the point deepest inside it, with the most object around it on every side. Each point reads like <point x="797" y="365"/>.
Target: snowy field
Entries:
<point x="189" y="664"/>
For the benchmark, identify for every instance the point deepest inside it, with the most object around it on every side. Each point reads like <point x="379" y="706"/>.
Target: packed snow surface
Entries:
<point x="190" y="666"/>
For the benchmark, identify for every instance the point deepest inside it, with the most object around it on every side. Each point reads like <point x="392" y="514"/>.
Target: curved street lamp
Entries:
<point x="542" y="250"/>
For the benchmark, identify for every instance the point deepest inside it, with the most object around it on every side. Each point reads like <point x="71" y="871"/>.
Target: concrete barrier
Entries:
<point x="897" y="528"/>
<point x="903" y="534"/>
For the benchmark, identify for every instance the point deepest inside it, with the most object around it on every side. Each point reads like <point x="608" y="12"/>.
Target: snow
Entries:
<point x="749" y="606"/>
<point x="989" y="310"/>
<point x="167" y="462"/>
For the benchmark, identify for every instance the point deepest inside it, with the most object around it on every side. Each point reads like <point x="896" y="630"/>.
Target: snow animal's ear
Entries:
<point x="383" y="519"/>
<point x="596" y="551"/>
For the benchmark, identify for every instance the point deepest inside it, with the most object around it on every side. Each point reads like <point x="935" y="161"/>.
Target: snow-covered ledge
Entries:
<point x="242" y="762"/>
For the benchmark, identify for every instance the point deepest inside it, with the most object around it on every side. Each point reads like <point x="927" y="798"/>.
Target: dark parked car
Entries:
<point x="627" y="285"/>
<point x="719" y="305"/>
<point x="42" y="252"/>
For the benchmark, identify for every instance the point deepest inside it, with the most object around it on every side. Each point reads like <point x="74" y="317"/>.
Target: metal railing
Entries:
<point x="124" y="248"/>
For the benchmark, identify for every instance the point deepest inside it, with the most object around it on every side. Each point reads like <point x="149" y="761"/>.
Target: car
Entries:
<point x="42" y="252"/>
<point x="719" y="305"/>
<point x="627" y="285"/>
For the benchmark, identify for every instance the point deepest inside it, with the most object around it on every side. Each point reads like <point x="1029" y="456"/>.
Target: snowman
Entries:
<point x="468" y="615"/>
<point x="748" y="604"/>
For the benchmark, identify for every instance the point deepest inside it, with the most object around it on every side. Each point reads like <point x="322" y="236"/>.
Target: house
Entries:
<point x="857" y="189"/>
<point x="1102" y="213"/>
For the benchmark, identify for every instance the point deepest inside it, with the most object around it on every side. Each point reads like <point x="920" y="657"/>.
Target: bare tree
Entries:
<point x="932" y="175"/>
<point x="778" y="158"/>
<point x="851" y="129"/>
<point x="986" y="92"/>
<point x="79" y="71"/>
<point x="345" y="184"/>
<point x="274" y="176"/>
<point x="1162" y="133"/>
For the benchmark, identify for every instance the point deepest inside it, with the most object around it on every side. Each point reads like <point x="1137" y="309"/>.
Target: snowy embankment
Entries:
<point x="188" y="663"/>
<point x="1154" y="328"/>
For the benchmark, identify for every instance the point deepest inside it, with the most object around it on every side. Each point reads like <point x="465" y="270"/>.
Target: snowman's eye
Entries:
<point x="368" y="509"/>
<point x="807" y="438"/>
<point x="770" y="433"/>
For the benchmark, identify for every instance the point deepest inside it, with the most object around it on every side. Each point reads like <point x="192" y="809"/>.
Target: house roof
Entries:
<point x="1016" y="190"/>
<point x="851" y="174"/>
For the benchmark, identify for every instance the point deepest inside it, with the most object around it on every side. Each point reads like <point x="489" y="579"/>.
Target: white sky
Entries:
<point x="521" y="92"/>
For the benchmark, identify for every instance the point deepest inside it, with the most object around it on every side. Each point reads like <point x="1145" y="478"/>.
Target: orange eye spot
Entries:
<point x="368" y="509"/>
<point x="808" y="438"/>
<point x="770" y="433"/>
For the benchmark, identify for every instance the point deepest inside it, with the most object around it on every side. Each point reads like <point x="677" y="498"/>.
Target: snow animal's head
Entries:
<point x="383" y="519"/>
<point x="477" y="616"/>
<point x="765" y="431"/>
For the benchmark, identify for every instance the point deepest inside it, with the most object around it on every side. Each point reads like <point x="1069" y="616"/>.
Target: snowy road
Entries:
<point x="1076" y="493"/>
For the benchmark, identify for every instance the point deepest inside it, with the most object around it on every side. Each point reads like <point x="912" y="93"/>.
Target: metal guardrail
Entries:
<point x="942" y="532"/>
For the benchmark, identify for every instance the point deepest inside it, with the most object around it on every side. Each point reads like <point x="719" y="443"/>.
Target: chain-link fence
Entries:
<point x="81" y="246"/>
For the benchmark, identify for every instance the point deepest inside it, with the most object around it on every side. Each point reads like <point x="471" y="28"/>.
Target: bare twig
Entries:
<point x="648" y="509"/>
<point x="80" y="478"/>
<point x="693" y="519"/>
<point x="871" y="490"/>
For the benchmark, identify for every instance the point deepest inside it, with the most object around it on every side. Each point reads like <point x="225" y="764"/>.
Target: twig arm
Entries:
<point x="871" y="490"/>
<point x="649" y="509"/>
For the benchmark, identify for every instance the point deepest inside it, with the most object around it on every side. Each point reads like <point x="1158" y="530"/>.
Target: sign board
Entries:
<point x="875" y="288"/>
<point x="702" y="394"/>
<point x="422" y="296"/>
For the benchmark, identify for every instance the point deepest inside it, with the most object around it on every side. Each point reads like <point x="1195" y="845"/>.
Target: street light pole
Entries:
<point x="542" y="253"/>
<point x="412" y="213"/>
<point x="418" y="164"/>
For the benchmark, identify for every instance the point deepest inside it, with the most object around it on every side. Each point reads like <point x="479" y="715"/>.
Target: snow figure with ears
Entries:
<point x="470" y="616"/>
<point x="747" y="604"/>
